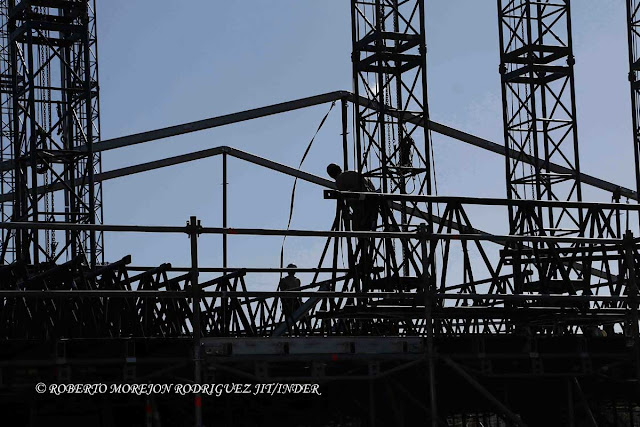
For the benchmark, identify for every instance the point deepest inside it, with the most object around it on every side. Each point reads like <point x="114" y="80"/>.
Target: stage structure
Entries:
<point x="431" y="321"/>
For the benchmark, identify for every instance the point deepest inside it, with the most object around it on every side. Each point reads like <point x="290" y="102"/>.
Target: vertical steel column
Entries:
<point x="52" y="51"/>
<point x="224" y="211"/>
<point x="633" y="32"/>
<point x="428" y="290"/>
<point x="193" y="229"/>
<point x="89" y="140"/>
<point x="93" y="112"/>
<point x="344" y="102"/>
<point x="632" y="289"/>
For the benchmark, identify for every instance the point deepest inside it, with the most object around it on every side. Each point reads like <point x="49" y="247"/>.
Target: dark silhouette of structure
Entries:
<point x="433" y="321"/>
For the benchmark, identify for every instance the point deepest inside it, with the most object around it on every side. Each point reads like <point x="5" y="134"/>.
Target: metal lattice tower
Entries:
<point x="538" y="98"/>
<point x="6" y="131"/>
<point x="50" y="115"/>
<point x="389" y="70"/>
<point x="539" y="113"/>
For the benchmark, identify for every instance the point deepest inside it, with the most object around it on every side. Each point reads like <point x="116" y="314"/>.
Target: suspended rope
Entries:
<point x="295" y="181"/>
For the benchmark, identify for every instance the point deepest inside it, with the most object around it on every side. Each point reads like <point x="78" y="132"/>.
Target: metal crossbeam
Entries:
<point x="177" y="130"/>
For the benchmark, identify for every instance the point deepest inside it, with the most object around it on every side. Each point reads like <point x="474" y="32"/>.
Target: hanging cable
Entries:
<point x="435" y="180"/>
<point x="295" y="182"/>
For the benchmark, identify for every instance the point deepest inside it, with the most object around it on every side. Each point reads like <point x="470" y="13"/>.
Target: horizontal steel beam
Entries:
<point x="176" y="160"/>
<point x="248" y="269"/>
<point x="303" y="233"/>
<point x="98" y="293"/>
<point x="484" y="201"/>
<point x="313" y="345"/>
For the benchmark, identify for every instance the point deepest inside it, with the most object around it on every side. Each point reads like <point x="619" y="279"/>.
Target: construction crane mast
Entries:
<point x="50" y="123"/>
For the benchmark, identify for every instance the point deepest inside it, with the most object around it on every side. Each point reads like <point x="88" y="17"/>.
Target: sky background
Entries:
<point x="163" y="63"/>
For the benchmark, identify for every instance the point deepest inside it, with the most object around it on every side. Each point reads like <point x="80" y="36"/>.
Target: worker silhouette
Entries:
<point x="289" y="305"/>
<point x="364" y="217"/>
<point x="364" y="213"/>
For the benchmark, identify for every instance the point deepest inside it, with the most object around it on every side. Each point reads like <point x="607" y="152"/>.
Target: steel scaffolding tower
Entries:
<point x="6" y="131"/>
<point x="538" y="97"/>
<point x="389" y="71"/>
<point x="52" y="121"/>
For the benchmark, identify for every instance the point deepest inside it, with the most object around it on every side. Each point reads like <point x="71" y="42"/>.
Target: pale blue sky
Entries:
<point x="168" y="62"/>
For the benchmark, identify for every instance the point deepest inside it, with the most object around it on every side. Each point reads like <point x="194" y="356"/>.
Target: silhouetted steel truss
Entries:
<point x="49" y="102"/>
<point x="230" y="309"/>
<point x="389" y="71"/>
<point x="538" y="96"/>
<point x="494" y="316"/>
<point x="69" y="301"/>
